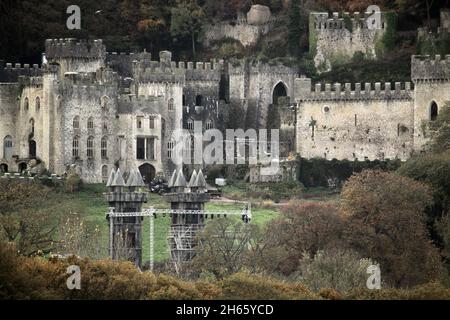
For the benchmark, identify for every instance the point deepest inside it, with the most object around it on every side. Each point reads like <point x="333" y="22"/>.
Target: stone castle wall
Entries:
<point x="334" y="39"/>
<point x="247" y="34"/>
<point x="431" y="76"/>
<point x="365" y="122"/>
<point x="252" y="84"/>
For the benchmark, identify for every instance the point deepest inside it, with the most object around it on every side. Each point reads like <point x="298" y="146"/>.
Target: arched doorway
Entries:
<point x="32" y="149"/>
<point x="22" y="167"/>
<point x="433" y="111"/>
<point x="279" y="90"/>
<point x="148" y="172"/>
<point x="3" y="168"/>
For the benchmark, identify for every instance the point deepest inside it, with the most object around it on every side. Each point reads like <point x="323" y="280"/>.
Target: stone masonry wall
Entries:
<point x="362" y="123"/>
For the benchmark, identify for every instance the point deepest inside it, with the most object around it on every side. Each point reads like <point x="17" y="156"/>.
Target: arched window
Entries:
<point x="209" y="124"/>
<point x="76" y="122"/>
<point x="104" y="147"/>
<point x="38" y="103"/>
<point x="170" y="104"/>
<point x="26" y="104"/>
<point x="199" y="100"/>
<point x="105" y="126"/>
<point x="104" y="102"/>
<point x="190" y="124"/>
<point x="104" y="173"/>
<point x="75" y="147"/>
<point x="90" y="147"/>
<point x="90" y="123"/>
<point x="279" y="90"/>
<point x="32" y="125"/>
<point x="7" y="147"/>
<point x="433" y="111"/>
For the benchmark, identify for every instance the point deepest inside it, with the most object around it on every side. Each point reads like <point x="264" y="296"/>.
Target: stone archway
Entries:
<point x="3" y="168"/>
<point x="280" y="90"/>
<point x="148" y="172"/>
<point x="22" y="167"/>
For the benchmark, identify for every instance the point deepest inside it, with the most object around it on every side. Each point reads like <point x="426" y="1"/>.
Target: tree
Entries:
<point x="337" y="269"/>
<point x="434" y="170"/>
<point x="223" y="246"/>
<point x="386" y="222"/>
<point x="187" y="21"/>
<point x="295" y="28"/>
<point x="21" y="218"/>
<point x="76" y="237"/>
<point x="303" y="228"/>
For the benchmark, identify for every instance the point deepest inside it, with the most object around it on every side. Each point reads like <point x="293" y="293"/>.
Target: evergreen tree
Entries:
<point x="295" y="28"/>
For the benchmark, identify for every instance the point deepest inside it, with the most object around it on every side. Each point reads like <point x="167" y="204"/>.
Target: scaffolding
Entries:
<point x="182" y="238"/>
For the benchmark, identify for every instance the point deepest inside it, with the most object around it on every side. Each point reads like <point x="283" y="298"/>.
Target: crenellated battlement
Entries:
<point x="426" y="68"/>
<point x="11" y="72"/>
<point x="103" y="76"/>
<point x="166" y="70"/>
<point x="18" y="66"/>
<point x="339" y="21"/>
<point x="73" y="48"/>
<point x="359" y="91"/>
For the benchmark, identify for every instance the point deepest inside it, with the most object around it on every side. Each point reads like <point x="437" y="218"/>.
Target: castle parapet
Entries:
<point x="73" y="48"/>
<point x="11" y="72"/>
<point x="358" y="91"/>
<point x="426" y="68"/>
<point x="167" y="70"/>
<point x="345" y="20"/>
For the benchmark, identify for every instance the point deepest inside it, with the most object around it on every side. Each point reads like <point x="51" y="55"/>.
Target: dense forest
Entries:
<point x="130" y="25"/>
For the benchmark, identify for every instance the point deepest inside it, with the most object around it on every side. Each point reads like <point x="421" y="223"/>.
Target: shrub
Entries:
<point x="337" y="269"/>
<point x="302" y="228"/>
<point x="73" y="183"/>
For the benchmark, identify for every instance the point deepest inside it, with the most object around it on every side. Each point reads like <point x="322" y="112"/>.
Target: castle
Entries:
<point x="94" y="111"/>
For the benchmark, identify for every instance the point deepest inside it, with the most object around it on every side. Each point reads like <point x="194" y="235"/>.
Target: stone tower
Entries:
<point x="431" y="77"/>
<point x="125" y="230"/>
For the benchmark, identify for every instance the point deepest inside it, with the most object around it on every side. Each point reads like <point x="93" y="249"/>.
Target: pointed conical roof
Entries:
<point x="200" y="181"/>
<point x="193" y="178"/>
<point x="118" y="180"/>
<point x="180" y="180"/>
<point x="131" y="179"/>
<point x="111" y="178"/>
<point x="172" y="178"/>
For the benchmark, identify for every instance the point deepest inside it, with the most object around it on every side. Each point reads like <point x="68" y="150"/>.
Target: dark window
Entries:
<point x="433" y="111"/>
<point x="90" y="147"/>
<point x="104" y="148"/>
<point x="199" y="100"/>
<point x="140" y="148"/>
